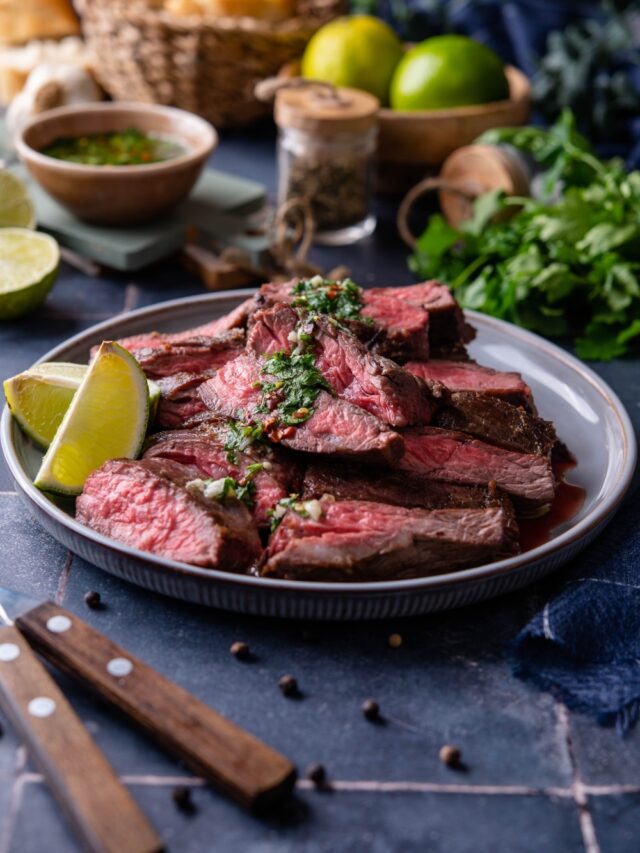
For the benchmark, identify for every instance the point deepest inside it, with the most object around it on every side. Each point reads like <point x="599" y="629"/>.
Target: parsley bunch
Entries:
<point x="564" y="264"/>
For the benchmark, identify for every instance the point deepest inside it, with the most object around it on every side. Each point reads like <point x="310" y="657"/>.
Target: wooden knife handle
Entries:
<point x="228" y="756"/>
<point x="99" y="807"/>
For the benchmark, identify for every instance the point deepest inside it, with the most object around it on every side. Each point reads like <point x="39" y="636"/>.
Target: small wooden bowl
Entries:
<point x="427" y="137"/>
<point x="117" y="195"/>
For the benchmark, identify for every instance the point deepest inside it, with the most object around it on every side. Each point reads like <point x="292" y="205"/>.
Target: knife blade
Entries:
<point x="97" y="805"/>
<point x="232" y="759"/>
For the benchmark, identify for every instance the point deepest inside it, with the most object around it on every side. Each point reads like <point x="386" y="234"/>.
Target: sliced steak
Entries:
<point x="469" y="376"/>
<point x="204" y="451"/>
<point x="446" y="322"/>
<point x="192" y="355"/>
<point x="179" y="398"/>
<point x="372" y="382"/>
<point x="145" y="505"/>
<point x="458" y="458"/>
<point x="493" y="420"/>
<point x="364" y="541"/>
<point x="400" y="488"/>
<point x="399" y="330"/>
<point x="236" y="319"/>
<point x="336" y="426"/>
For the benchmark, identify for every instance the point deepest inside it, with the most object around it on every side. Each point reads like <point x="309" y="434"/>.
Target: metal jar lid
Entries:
<point x="324" y="110"/>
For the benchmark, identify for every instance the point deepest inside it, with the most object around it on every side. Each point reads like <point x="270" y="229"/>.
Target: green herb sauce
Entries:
<point x="129" y="147"/>
<point x="295" y="386"/>
<point x="339" y="299"/>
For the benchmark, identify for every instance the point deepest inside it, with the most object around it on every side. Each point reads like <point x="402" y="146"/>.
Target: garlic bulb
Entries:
<point x="49" y="86"/>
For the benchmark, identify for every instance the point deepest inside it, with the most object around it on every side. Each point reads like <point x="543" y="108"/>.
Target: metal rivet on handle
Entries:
<point x="58" y="624"/>
<point x="9" y="651"/>
<point x="41" y="706"/>
<point x="119" y="667"/>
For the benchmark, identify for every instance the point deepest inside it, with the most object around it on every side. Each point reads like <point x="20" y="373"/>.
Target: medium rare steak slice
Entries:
<point x="179" y="398"/>
<point x="192" y="355"/>
<point x="145" y="505"/>
<point x="493" y="420"/>
<point x="469" y="376"/>
<point x="203" y="449"/>
<point x="458" y="458"/>
<point x="372" y="382"/>
<point x="400" y="488"/>
<point x="335" y="426"/>
<point x="236" y="319"/>
<point x="446" y="321"/>
<point x="364" y="541"/>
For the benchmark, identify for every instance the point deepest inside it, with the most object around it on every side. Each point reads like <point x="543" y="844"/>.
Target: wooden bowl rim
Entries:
<point x="520" y="92"/>
<point x="201" y="149"/>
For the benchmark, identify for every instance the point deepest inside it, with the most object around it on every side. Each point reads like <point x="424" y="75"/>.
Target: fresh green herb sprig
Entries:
<point x="295" y="385"/>
<point x="339" y="299"/>
<point x="560" y="268"/>
<point x="240" y="437"/>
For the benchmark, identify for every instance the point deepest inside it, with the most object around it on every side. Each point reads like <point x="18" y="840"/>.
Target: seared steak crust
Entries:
<point x="469" y="376"/>
<point x="191" y="355"/>
<point x="179" y="398"/>
<point x="358" y="540"/>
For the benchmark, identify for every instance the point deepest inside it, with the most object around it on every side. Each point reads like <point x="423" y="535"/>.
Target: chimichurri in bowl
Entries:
<point x="116" y="163"/>
<point x="129" y="147"/>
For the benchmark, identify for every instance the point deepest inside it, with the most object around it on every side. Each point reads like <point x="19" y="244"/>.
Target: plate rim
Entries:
<point x="597" y="517"/>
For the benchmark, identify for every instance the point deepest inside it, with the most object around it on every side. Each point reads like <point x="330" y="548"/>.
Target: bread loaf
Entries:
<point x="24" y="20"/>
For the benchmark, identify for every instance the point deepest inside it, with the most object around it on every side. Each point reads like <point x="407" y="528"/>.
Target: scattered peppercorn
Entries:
<point x="395" y="640"/>
<point x="371" y="709"/>
<point x="240" y="650"/>
<point x="317" y="774"/>
<point x="182" y="798"/>
<point x="450" y="755"/>
<point x="93" y="600"/>
<point x="288" y="685"/>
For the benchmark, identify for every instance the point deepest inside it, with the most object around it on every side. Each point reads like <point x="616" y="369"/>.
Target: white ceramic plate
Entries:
<point x="589" y="417"/>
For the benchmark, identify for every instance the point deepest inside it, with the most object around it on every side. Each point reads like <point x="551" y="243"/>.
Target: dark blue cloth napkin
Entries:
<point x="584" y="645"/>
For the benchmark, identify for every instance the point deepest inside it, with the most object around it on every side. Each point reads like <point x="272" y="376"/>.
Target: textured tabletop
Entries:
<point x="537" y="777"/>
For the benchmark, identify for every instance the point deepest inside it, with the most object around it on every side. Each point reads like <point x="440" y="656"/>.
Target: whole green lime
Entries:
<point x="360" y="52"/>
<point x="448" y="71"/>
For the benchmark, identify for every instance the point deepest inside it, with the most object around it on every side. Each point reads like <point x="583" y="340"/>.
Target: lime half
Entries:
<point x="16" y="208"/>
<point x="28" y="267"/>
<point x="39" y="397"/>
<point x="107" y="419"/>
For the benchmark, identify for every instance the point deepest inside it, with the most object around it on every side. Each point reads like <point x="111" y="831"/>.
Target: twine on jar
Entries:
<point x="470" y="190"/>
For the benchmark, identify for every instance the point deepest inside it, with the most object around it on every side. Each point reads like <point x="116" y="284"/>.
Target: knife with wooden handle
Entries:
<point x="100" y="809"/>
<point x="235" y="761"/>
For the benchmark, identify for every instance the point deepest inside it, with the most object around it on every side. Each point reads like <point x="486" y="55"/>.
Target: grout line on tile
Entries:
<point x="8" y="494"/>
<point x="64" y="579"/>
<point x="589" y="838"/>
<point x="130" y="297"/>
<point x="437" y="788"/>
<point x="15" y="801"/>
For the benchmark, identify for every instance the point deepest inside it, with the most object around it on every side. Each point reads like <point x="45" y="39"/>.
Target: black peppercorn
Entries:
<point x="93" y="600"/>
<point x="182" y="798"/>
<point x="317" y="774"/>
<point x="371" y="709"/>
<point x="288" y="685"/>
<point x="240" y="650"/>
<point x="451" y="756"/>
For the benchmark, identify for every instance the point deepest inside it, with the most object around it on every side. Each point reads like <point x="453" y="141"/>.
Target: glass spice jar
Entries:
<point x="326" y="148"/>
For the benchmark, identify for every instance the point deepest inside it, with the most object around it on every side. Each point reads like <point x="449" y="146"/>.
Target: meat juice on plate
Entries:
<point x="566" y="504"/>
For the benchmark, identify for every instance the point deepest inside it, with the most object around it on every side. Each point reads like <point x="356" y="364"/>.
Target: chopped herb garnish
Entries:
<point x="225" y="488"/>
<point x="240" y="437"/>
<point x="339" y="299"/>
<point x="297" y="383"/>
<point x="305" y="509"/>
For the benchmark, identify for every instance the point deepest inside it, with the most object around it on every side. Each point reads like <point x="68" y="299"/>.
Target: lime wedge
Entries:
<point x="16" y="208"/>
<point x="39" y="397"/>
<point x="28" y="267"/>
<point x="107" y="419"/>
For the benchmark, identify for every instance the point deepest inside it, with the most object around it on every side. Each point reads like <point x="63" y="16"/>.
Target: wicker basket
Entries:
<point x="206" y="65"/>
